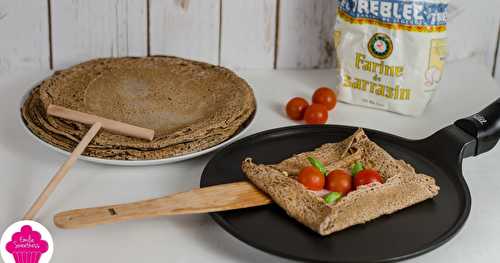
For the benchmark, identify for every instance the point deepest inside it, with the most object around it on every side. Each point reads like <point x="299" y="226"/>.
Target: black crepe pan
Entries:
<point x="402" y="235"/>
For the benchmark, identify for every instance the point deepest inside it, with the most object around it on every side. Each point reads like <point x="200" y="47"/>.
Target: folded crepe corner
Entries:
<point x="402" y="186"/>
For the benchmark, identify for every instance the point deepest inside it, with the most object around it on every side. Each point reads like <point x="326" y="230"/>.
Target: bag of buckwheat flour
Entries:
<point x="390" y="52"/>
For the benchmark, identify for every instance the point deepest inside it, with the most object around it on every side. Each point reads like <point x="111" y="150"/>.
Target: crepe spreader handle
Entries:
<point x="63" y="170"/>
<point x="96" y="122"/>
<point x="203" y="200"/>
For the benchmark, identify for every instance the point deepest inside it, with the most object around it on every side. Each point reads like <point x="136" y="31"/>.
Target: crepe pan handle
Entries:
<point x="484" y="126"/>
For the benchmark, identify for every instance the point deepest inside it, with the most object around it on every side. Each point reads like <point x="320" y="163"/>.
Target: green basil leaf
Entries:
<point x="356" y="168"/>
<point x="332" y="197"/>
<point x="316" y="163"/>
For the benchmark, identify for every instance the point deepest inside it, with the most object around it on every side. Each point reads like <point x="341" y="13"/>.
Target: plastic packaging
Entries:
<point x="391" y="53"/>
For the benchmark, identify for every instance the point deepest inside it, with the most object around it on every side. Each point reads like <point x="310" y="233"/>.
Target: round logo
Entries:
<point x="26" y="242"/>
<point x="380" y="46"/>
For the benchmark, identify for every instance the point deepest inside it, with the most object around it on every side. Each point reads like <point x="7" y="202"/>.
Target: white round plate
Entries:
<point x="245" y="126"/>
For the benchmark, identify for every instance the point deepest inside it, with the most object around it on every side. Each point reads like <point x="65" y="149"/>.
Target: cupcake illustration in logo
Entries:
<point x="26" y="242"/>
<point x="27" y="246"/>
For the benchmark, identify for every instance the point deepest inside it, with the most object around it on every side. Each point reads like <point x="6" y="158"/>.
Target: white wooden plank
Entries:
<point x="472" y="29"/>
<point x="489" y="46"/>
<point x="185" y="28"/>
<point x="85" y="29"/>
<point x="24" y="38"/>
<point x="305" y="34"/>
<point x="248" y="33"/>
<point x="496" y="72"/>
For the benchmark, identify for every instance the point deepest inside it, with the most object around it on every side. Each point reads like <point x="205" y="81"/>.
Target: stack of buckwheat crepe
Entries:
<point x="190" y="105"/>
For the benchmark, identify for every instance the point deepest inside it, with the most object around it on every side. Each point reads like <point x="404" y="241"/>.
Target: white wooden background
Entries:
<point x="54" y="34"/>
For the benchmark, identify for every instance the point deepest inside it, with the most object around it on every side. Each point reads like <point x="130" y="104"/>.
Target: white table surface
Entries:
<point x="27" y="166"/>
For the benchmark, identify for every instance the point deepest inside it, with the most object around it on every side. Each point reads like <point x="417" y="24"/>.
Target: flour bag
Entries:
<point x="390" y="52"/>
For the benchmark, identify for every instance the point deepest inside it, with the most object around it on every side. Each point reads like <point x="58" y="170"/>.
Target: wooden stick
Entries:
<point x="63" y="170"/>
<point x="110" y="125"/>
<point x="204" y="200"/>
<point x="96" y="122"/>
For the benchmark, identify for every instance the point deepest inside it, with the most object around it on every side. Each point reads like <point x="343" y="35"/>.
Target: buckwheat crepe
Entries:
<point x="402" y="186"/>
<point x="190" y="105"/>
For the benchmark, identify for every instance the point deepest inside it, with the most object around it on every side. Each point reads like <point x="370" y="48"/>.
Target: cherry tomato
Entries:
<point x="367" y="176"/>
<point x="339" y="181"/>
<point x="312" y="178"/>
<point x="325" y="96"/>
<point x="316" y="114"/>
<point x="296" y="107"/>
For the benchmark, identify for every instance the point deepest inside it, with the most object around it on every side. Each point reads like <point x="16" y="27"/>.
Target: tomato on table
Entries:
<point x="367" y="176"/>
<point x="316" y="114"/>
<point x="311" y="178"/>
<point x="296" y="107"/>
<point x="325" y="96"/>
<point x="339" y="181"/>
